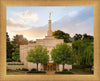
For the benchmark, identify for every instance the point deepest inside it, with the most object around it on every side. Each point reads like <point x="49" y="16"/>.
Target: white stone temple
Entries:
<point x="49" y="42"/>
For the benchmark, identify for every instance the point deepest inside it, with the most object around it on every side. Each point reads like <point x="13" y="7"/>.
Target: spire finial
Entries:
<point x="50" y="16"/>
<point x="49" y="28"/>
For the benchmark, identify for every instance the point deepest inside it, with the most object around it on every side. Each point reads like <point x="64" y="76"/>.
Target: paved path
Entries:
<point x="50" y="73"/>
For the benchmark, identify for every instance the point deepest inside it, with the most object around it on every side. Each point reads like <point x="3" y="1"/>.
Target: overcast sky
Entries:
<point x="32" y="22"/>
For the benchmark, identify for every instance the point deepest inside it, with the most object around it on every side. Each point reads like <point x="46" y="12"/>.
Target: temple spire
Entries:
<point x="50" y="16"/>
<point x="49" y="29"/>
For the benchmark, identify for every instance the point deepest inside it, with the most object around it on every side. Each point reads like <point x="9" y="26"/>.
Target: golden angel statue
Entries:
<point x="50" y="15"/>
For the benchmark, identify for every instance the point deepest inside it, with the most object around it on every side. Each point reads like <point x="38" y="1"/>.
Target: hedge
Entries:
<point x="36" y="72"/>
<point x="24" y="69"/>
<point x="9" y="60"/>
<point x="33" y="69"/>
<point x="15" y="63"/>
<point x="13" y="69"/>
<point x="64" y="72"/>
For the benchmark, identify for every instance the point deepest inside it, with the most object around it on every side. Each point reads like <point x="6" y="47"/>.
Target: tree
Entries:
<point x="19" y="40"/>
<point x="62" y="35"/>
<point x="88" y="38"/>
<point x="62" y="54"/>
<point x="16" y="55"/>
<point x="87" y="57"/>
<point x="77" y="37"/>
<point x="9" y="46"/>
<point x="81" y="47"/>
<point x="38" y="55"/>
<point x="76" y="46"/>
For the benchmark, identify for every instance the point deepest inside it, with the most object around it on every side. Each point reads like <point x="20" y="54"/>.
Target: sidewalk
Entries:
<point x="50" y="73"/>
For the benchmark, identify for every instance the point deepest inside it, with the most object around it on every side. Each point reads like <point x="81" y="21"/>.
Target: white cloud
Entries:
<point x="33" y="33"/>
<point x="72" y="14"/>
<point x="12" y="23"/>
<point x="31" y="16"/>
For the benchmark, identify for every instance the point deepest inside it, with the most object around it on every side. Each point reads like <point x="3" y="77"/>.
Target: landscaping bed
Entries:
<point x="33" y="70"/>
<point x="14" y="70"/>
<point x="36" y="72"/>
<point x="64" y="72"/>
<point x="15" y="63"/>
<point x="23" y="69"/>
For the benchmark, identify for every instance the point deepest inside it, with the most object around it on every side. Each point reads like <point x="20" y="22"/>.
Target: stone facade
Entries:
<point x="15" y="67"/>
<point x="49" y="42"/>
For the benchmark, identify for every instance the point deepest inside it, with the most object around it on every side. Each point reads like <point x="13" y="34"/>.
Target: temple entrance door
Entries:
<point x="50" y="67"/>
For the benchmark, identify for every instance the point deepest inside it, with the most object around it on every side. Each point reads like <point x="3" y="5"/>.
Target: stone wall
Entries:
<point x="68" y="67"/>
<point x="29" y="66"/>
<point x="15" y="66"/>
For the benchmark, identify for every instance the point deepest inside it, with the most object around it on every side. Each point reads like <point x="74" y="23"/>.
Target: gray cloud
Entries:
<point x="80" y="23"/>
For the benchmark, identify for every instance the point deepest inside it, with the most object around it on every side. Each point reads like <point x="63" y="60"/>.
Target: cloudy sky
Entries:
<point x="32" y="22"/>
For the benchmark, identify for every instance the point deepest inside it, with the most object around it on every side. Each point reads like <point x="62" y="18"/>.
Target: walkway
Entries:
<point x="50" y="73"/>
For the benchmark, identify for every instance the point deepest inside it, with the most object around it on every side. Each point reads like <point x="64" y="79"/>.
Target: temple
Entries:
<point x="49" y="42"/>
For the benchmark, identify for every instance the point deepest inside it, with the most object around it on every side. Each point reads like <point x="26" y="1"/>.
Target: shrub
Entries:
<point x="70" y="70"/>
<point x="18" y="69"/>
<point x="14" y="69"/>
<point x="65" y="70"/>
<point x="9" y="69"/>
<point x="36" y="72"/>
<point x="24" y="69"/>
<point x="19" y="61"/>
<point x="33" y="69"/>
<point x="80" y="66"/>
<point x="15" y="63"/>
<point x="40" y="71"/>
<point x="92" y="72"/>
<point x="9" y="60"/>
